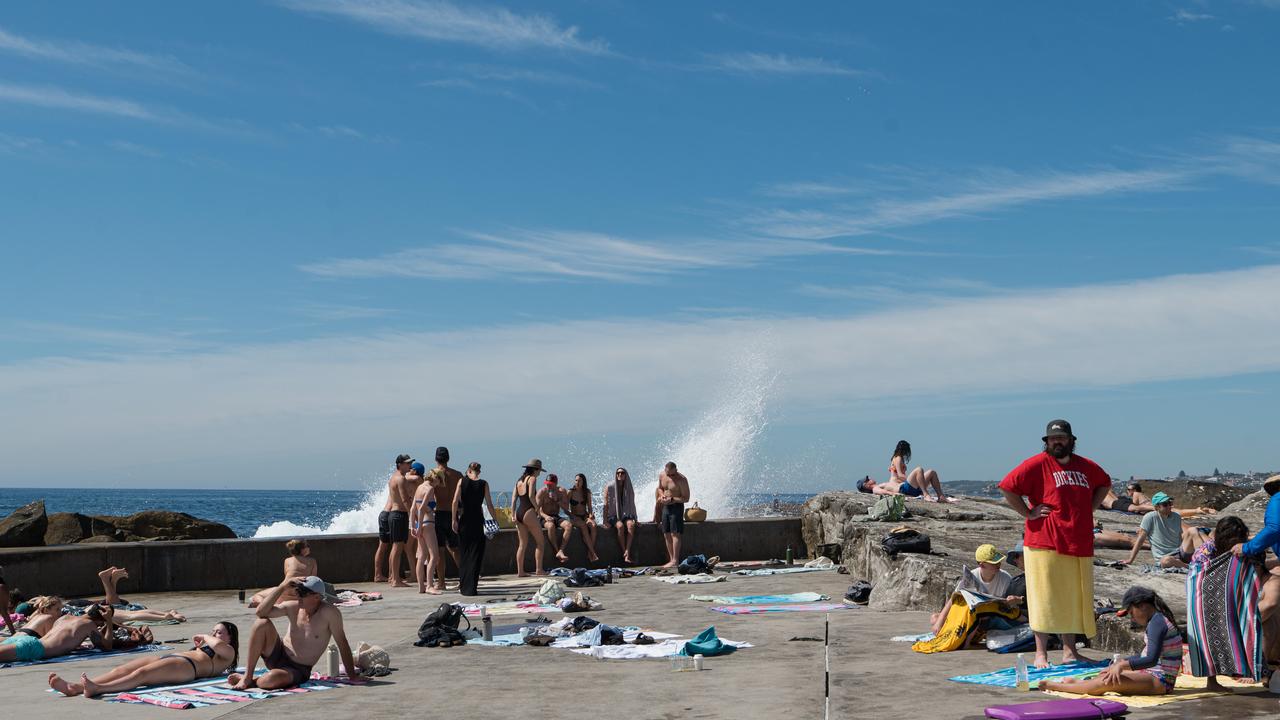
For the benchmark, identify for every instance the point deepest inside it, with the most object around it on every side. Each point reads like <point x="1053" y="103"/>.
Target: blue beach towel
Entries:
<point x="760" y="599"/>
<point x="1008" y="676"/>
<point x="86" y="654"/>
<point x="707" y="644"/>
<point x="779" y="571"/>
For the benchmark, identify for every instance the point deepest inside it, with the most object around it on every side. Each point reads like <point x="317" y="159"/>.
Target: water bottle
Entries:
<point x="608" y="576"/>
<point x="241" y="596"/>
<point x="487" y="623"/>
<point x="333" y="660"/>
<point x="788" y="554"/>
<point x="697" y="662"/>
<point x="1024" y="682"/>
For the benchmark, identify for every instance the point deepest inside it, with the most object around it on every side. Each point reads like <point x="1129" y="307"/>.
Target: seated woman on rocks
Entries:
<point x="297" y="564"/>
<point x="987" y="579"/>
<point x="900" y="482"/>
<point x="213" y="655"/>
<point x="1155" y="671"/>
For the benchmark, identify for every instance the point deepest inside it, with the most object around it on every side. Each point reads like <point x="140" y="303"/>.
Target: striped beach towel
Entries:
<point x="781" y="607"/>
<point x="1224" y="634"/>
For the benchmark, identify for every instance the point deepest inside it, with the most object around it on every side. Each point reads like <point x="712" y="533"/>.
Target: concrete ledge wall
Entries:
<point x="71" y="570"/>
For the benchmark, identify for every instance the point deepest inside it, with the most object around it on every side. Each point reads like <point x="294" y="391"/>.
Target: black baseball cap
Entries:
<point x="1057" y="428"/>
<point x="402" y="458"/>
<point x="1135" y="595"/>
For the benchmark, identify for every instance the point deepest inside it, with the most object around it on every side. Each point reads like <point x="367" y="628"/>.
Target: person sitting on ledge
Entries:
<point x="66" y="634"/>
<point x="212" y="656"/>
<point x="987" y="579"/>
<point x="1155" y="671"/>
<point x="1171" y="544"/>
<point x="312" y="619"/>
<point x="297" y="564"/>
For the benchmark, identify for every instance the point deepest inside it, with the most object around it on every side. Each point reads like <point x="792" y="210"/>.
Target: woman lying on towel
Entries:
<point x="212" y="656"/>
<point x="1155" y="671"/>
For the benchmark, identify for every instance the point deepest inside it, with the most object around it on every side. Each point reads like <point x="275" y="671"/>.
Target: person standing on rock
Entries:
<point x="1057" y="492"/>
<point x="1268" y="538"/>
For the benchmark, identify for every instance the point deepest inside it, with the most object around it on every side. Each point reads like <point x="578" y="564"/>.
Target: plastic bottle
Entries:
<point x="788" y="554"/>
<point x="1024" y="682"/>
<point x="487" y="623"/>
<point x="697" y="662"/>
<point x="333" y="660"/>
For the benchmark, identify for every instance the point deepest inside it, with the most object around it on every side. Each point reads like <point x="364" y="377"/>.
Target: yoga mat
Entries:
<point x="86" y="654"/>
<point x="1007" y="677"/>
<point x="802" y="597"/>
<point x="1187" y="687"/>
<point x="762" y="609"/>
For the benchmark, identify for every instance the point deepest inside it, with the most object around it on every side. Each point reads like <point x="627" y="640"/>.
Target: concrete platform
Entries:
<point x="871" y="677"/>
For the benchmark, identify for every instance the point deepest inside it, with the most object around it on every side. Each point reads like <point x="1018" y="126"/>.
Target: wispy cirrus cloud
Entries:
<point x="763" y="64"/>
<point x="490" y="27"/>
<point x="1005" y="191"/>
<point x="57" y="98"/>
<point x="79" y="53"/>
<point x="1182" y="15"/>
<point x="542" y="254"/>
<point x="520" y="76"/>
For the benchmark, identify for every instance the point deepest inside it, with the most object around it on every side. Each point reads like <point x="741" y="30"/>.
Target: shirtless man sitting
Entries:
<point x="65" y="635"/>
<point x="673" y="493"/>
<point x="313" y="620"/>
<point x="549" y="502"/>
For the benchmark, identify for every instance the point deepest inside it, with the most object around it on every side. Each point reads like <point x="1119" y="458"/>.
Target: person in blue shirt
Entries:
<point x="1268" y="538"/>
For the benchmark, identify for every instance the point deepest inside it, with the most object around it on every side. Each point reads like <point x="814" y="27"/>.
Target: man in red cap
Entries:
<point x="1057" y="492"/>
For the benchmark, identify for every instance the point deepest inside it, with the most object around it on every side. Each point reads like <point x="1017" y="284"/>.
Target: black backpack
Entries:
<point x="906" y="540"/>
<point x="441" y="626"/>
<point x="579" y="578"/>
<point x="859" y="592"/>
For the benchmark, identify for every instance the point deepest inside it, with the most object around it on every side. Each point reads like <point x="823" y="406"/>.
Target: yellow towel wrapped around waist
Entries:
<point x="1059" y="593"/>
<point x="962" y="621"/>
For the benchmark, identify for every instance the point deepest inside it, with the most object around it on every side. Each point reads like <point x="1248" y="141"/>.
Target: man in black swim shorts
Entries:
<point x="312" y="621"/>
<point x="393" y="524"/>
<point x="673" y="493"/>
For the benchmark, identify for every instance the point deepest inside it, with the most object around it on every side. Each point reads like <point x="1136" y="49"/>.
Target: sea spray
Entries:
<point x="361" y="519"/>
<point x="717" y="450"/>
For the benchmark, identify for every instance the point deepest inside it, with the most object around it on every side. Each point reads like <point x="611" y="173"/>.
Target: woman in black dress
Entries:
<point x="468" y="521"/>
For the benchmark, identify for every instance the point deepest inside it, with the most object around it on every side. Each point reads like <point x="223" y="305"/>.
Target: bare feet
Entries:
<point x="379" y="578"/>
<point x="119" y="574"/>
<point x="562" y="557"/>
<point x="593" y="557"/>
<point x="88" y="687"/>
<point x="431" y="591"/>
<point x="175" y="615"/>
<point x="240" y="682"/>
<point x="64" y="687"/>
<point x="1042" y="661"/>
<point x="1073" y="655"/>
<point x="929" y="499"/>
<point x="106" y="574"/>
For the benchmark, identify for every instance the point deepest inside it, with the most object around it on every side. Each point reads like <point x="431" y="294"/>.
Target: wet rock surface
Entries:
<point x="837" y="521"/>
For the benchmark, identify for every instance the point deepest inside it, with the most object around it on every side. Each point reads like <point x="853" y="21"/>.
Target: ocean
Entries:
<point x="271" y="513"/>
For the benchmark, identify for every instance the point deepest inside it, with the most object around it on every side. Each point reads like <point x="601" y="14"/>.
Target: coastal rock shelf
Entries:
<point x="835" y="524"/>
<point x="30" y="526"/>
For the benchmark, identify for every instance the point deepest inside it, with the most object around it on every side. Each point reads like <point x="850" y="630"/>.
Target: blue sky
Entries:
<point x="277" y="242"/>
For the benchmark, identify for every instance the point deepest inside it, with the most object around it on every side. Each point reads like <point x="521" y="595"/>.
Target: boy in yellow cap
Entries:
<point x="987" y="579"/>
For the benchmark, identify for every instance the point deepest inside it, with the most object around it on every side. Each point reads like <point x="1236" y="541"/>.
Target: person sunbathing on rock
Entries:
<point x="125" y="612"/>
<point x="913" y="484"/>
<point x="66" y="634"/>
<point x="46" y="611"/>
<point x="1132" y="505"/>
<point x="987" y="579"/>
<point x="297" y="564"/>
<point x="212" y="656"/>
<point x="1155" y="671"/>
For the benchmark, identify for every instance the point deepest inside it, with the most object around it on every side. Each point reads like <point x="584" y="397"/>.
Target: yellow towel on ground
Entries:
<point x="1059" y="593"/>
<point x="1187" y="687"/>
<point x="962" y="620"/>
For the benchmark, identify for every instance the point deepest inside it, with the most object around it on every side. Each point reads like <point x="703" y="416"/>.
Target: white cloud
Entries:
<point x="541" y="254"/>
<point x="1181" y="16"/>
<point x="11" y="144"/>
<point x="57" y="98"/>
<point x="490" y="27"/>
<point x="751" y="63"/>
<point x="526" y="381"/>
<point x="1007" y="190"/>
<point x="78" y="53"/>
<point x="133" y="148"/>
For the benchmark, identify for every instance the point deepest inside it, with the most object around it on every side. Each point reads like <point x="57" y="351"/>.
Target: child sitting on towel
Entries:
<point x="1155" y="671"/>
<point x="986" y="579"/>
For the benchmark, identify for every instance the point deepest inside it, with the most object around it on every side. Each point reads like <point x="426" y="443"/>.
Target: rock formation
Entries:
<point x="29" y="526"/>
<point x="836" y="523"/>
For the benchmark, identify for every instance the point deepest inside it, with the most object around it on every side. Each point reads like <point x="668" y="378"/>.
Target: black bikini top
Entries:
<point x="207" y="651"/>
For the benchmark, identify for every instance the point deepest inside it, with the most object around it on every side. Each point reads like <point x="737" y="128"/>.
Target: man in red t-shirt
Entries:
<point x="1057" y="492"/>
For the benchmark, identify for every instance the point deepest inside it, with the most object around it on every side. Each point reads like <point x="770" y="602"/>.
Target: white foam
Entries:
<point x="716" y="451"/>
<point x="361" y="519"/>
